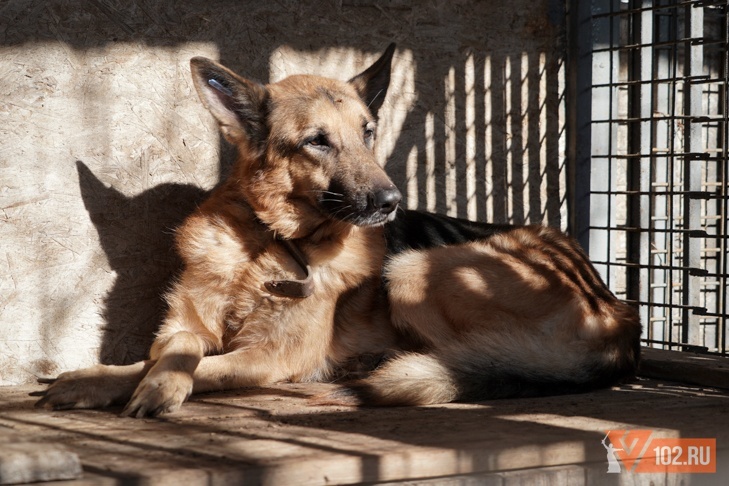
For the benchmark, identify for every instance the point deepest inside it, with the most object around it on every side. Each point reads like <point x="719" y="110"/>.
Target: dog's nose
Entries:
<point x="385" y="200"/>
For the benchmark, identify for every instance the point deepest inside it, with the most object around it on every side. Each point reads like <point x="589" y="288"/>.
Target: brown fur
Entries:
<point x="519" y="312"/>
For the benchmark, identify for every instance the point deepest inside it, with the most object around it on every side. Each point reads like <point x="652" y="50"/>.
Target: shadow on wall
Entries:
<point x="137" y="238"/>
<point x="486" y="137"/>
<point x="482" y="140"/>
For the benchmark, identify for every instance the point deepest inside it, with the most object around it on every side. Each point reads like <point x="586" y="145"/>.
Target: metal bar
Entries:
<point x="603" y="138"/>
<point x="630" y="82"/>
<point x="723" y="177"/>
<point x="691" y="348"/>
<point x="689" y="118"/>
<point x="635" y="229"/>
<point x="692" y="176"/>
<point x="656" y="45"/>
<point x="579" y="109"/>
<point x="696" y="195"/>
<point x="692" y="271"/>
<point x="672" y="30"/>
<point x="692" y="156"/>
<point x="695" y="3"/>
<point x="639" y="279"/>
<point x="676" y="306"/>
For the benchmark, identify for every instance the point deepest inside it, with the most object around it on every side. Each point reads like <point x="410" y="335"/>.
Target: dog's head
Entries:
<point x="306" y="145"/>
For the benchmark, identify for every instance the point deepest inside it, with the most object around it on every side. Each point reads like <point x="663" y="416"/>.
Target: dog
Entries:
<point x="302" y="267"/>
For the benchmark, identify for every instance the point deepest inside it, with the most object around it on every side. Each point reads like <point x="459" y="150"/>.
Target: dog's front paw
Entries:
<point x="95" y="387"/>
<point x="159" y="393"/>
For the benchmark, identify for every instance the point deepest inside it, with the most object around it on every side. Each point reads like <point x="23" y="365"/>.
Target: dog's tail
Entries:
<point x="498" y="366"/>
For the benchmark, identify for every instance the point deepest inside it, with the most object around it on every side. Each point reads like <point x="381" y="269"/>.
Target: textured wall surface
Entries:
<point x="104" y="147"/>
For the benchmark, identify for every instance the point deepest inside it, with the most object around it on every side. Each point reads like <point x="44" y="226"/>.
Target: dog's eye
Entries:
<point x="320" y="141"/>
<point x="369" y="133"/>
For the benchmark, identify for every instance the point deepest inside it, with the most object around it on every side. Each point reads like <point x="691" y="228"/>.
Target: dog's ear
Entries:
<point x="372" y="83"/>
<point x="239" y="105"/>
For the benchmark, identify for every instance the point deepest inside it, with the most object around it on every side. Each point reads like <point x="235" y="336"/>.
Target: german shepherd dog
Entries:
<point x="297" y="269"/>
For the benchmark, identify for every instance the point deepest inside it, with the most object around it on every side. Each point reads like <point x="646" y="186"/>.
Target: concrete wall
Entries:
<point x="104" y="147"/>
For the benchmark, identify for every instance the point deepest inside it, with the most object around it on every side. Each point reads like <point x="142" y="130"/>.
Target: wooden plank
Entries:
<point x="276" y="436"/>
<point x="29" y="462"/>
<point x="685" y="367"/>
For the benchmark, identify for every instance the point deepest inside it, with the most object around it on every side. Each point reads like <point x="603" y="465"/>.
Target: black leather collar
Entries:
<point x="295" y="289"/>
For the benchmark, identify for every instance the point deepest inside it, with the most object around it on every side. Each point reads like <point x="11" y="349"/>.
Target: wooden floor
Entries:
<point x="274" y="436"/>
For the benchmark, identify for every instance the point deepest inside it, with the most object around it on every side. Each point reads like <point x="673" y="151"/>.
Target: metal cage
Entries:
<point x="650" y="119"/>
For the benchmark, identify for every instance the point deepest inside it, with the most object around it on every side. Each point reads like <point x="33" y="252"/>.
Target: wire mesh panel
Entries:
<point x="654" y="218"/>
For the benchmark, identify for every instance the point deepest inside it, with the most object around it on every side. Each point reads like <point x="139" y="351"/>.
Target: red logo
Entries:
<point x="639" y="452"/>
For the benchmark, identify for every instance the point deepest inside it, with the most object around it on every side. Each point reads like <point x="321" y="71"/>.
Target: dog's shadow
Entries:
<point x="137" y="236"/>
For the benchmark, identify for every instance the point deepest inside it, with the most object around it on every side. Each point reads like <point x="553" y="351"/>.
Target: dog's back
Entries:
<point x="497" y="311"/>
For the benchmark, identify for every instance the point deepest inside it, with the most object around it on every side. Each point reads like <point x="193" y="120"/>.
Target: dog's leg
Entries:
<point x="95" y="387"/>
<point x="239" y="369"/>
<point x="169" y="382"/>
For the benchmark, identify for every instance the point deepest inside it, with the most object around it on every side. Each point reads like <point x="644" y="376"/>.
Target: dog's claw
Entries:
<point x="159" y="394"/>
<point x="128" y="412"/>
<point x="95" y="387"/>
<point x="142" y="411"/>
<point x="135" y="411"/>
<point x="65" y="406"/>
<point x="46" y="403"/>
<point x="41" y="403"/>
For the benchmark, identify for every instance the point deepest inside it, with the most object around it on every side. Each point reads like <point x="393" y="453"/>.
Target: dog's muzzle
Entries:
<point x="370" y="208"/>
<point x="384" y="202"/>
